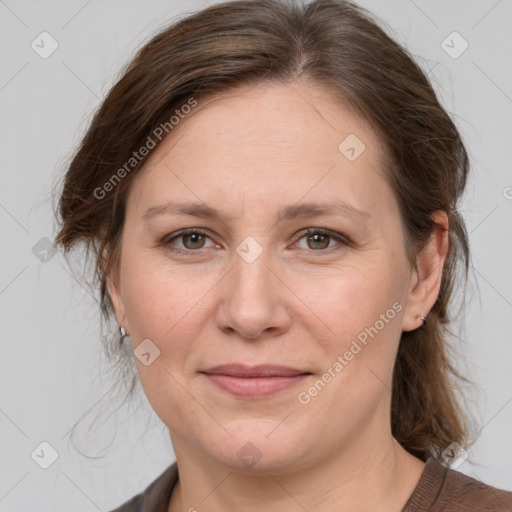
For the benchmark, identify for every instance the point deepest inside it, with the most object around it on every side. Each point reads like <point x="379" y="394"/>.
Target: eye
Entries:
<point x="319" y="240"/>
<point x="192" y="239"/>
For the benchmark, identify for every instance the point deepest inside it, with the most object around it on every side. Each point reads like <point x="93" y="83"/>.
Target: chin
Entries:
<point x="260" y="446"/>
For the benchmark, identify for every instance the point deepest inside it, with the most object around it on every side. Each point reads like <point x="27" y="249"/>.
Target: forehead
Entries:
<point x="305" y="117"/>
<point x="251" y="142"/>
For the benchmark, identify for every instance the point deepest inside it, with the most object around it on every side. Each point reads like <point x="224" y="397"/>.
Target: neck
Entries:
<point x="371" y="473"/>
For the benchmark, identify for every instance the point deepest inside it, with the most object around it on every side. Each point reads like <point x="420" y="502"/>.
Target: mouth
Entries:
<point x="254" y="381"/>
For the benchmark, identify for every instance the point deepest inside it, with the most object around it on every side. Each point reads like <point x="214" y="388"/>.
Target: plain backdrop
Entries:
<point x="50" y="361"/>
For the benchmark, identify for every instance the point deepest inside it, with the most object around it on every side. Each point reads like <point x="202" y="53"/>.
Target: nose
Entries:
<point x="253" y="300"/>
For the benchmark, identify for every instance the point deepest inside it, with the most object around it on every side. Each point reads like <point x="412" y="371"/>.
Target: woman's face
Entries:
<point x="254" y="288"/>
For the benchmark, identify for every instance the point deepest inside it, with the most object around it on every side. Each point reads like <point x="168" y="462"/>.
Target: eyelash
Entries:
<point x="344" y="241"/>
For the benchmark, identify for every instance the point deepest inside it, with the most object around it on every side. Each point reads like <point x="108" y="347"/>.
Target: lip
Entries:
<point x="262" y="370"/>
<point x="254" y="381"/>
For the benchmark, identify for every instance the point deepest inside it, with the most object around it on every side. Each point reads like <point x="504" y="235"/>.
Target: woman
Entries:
<point x="271" y="193"/>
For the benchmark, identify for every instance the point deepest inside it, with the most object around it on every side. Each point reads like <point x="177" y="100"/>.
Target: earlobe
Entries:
<point x="428" y="277"/>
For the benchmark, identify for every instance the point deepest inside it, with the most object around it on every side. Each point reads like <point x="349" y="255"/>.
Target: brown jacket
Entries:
<point x="440" y="489"/>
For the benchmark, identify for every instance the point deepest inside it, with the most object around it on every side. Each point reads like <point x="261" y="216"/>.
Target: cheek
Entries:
<point x="163" y="307"/>
<point x="354" y="296"/>
<point x="360" y="308"/>
<point x="158" y="296"/>
<point x="168" y="305"/>
<point x="363" y="309"/>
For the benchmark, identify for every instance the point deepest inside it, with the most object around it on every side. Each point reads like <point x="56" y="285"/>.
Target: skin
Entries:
<point x="249" y="152"/>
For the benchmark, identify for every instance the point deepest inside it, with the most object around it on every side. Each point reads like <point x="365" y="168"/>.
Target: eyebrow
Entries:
<point x="202" y="210"/>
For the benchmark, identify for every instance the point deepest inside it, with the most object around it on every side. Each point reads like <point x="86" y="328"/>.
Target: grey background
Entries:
<point x="50" y="361"/>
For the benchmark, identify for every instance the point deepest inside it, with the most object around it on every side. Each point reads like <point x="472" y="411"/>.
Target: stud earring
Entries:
<point x="123" y="333"/>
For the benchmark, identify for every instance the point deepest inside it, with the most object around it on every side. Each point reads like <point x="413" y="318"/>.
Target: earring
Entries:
<point x="421" y="317"/>
<point x="123" y="333"/>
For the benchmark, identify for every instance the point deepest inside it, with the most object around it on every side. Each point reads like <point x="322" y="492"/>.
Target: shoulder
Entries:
<point x="132" y="505"/>
<point x="155" y="498"/>
<point x="442" y="489"/>
<point x="473" y="495"/>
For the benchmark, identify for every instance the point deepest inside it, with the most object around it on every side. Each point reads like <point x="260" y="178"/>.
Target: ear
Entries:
<point x="114" y="291"/>
<point x="426" y="280"/>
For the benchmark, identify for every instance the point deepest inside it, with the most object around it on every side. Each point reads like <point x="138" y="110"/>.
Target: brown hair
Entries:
<point x="333" y="43"/>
